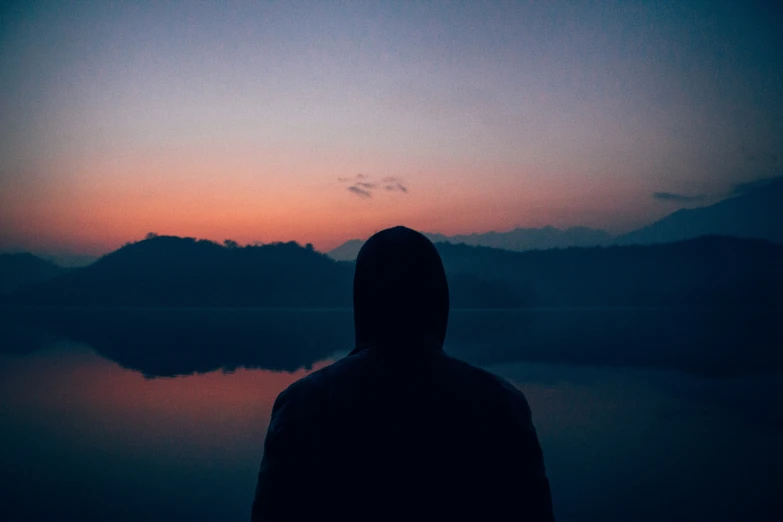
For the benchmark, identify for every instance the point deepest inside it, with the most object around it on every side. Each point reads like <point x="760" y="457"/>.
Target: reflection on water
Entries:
<point x="83" y="434"/>
<point x="169" y="342"/>
<point x="86" y="436"/>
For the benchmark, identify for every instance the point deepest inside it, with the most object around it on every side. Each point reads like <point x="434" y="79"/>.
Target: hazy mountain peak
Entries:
<point x="755" y="213"/>
<point x="519" y="239"/>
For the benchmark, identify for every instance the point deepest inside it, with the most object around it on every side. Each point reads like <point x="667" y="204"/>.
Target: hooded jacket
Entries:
<point x="398" y="429"/>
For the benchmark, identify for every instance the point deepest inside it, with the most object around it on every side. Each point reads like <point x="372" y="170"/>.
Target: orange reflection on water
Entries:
<point x="96" y="403"/>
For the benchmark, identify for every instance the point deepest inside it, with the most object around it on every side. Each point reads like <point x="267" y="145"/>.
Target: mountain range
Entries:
<point x="184" y="272"/>
<point x="676" y="261"/>
<point x="519" y="239"/>
<point x="757" y="213"/>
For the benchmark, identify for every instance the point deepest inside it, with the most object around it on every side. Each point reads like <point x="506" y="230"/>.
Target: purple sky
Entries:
<point x="264" y="121"/>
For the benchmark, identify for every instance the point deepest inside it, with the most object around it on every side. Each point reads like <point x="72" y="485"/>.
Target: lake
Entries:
<point x="160" y="414"/>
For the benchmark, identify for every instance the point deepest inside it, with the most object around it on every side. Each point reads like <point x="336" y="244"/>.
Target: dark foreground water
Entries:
<point x="161" y="414"/>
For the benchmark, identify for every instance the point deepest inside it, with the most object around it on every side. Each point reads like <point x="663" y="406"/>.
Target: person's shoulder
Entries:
<point x="486" y="382"/>
<point x="312" y="384"/>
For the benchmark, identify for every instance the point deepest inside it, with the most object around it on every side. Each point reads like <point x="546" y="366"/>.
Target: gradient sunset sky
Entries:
<point x="320" y="122"/>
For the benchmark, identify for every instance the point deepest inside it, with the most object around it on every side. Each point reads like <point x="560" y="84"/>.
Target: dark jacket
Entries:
<point x="401" y="431"/>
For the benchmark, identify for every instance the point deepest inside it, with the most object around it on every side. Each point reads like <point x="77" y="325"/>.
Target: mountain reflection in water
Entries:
<point x="169" y="342"/>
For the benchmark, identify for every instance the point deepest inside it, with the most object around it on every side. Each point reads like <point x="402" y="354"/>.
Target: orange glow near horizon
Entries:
<point x="99" y="204"/>
<point x="239" y="123"/>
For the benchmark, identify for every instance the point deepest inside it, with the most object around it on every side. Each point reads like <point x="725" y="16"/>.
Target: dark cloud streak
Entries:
<point x="398" y="187"/>
<point x="682" y="198"/>
<point x="360" y="192"/>
<point x="363" y="187"/>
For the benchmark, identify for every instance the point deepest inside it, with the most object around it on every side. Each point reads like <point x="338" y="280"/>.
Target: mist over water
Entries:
<point x="161" y="415"/>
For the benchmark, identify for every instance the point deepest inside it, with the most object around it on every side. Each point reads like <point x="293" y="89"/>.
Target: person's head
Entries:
<point x="400" y="294"/>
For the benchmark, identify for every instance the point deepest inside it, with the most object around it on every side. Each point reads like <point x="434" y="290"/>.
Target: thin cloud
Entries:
<point x="396" y="187"/>
<point x="673" y="196"/>
<point x="360" y="191"/>
<point x="362" y="186"/>
<point x="394" y="184"/>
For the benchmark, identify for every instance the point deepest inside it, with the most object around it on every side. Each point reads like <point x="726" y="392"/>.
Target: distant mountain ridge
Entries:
<point x="521" y="239"/>
<point x="518" y="239"/>
<point x="347" y="251"/>
<point x="184" y="272"/>
<point x="755" y="214"/>
<point x="675" y="261"/>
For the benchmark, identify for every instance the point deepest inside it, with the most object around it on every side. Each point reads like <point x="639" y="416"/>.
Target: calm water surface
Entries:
<point x="161" y="414"/>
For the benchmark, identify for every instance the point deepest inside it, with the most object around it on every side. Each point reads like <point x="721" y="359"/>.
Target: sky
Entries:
<point x="325" y="121"/>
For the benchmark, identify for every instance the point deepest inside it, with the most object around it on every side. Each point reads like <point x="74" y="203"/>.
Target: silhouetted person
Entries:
<point x="398" y="429"/>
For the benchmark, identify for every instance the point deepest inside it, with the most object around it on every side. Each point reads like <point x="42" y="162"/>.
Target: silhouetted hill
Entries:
<point x="704" y="271"/>
<point x="756" y="214"/>
<point x="18" y="270"/>
<point x="172" y="271"/>
<point x="519" y="239"/>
